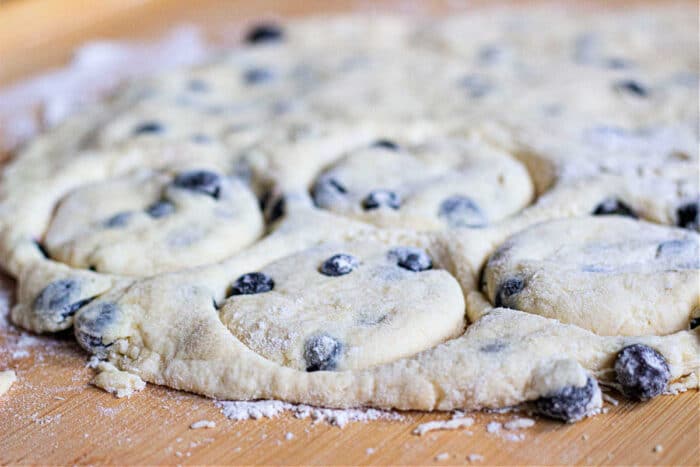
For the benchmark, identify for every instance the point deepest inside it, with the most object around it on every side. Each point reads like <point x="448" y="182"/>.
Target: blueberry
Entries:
<point x="339" y="265"/>
<point x="411" y="258"/>
<point x="90" y="325"/>
<point x="687" y="215"/>
<point x="569" y="403"/>
<point x="461" y="211"/>
<point x="326" y="190"/>
<point x="507" y="290"/>
<point x="272" y="205"/>
<point x="160" y="209"/>
<point x="378" y="198"/>
<point x="265" y="32"/>
<point x="252" y="283"/>
<point x="322" y="352"/>
<point x="631" y="87"/>
<point x="386" y="144"/>
<point x="148" y="128"/>
<point x="118" y="220"/>
<point x="59" y="300"/>
<point x="201" y="181"/>
<point x="694" y="322"/>
<point x="257" y="75"/>
<point x="641" y="371"/>
<point x="613" y="206"/>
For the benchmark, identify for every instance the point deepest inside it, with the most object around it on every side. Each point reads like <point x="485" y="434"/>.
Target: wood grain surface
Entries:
<point x="53" y="416"/>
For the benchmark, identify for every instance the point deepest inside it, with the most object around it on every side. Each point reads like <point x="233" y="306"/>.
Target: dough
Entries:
<point x="7" y="377"/>
<point x="481" y="210"/>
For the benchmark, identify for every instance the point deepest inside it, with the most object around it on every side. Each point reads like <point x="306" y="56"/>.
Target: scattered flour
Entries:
<point x="610" y="400"/>
<point x="203" y="424"/>
<point x="493" y="427"/>
<point x="442" y="456"/>
<point x="452" y="424"/>
<point x="244" y="410"/>
<point x="289" y="436"/>
<point x="519" y="423"/>
<point x="369" y="451"/>
<point x="658" y="448"/>
<point x="475" y="458"/>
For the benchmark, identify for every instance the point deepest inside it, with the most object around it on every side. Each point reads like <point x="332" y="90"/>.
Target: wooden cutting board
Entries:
<point x="53" y="416"/>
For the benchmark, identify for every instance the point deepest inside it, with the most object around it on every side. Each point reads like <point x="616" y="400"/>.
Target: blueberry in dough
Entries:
<point x="118" y="220"/>
<point x="160" y="209"/>
<point x="201" y="181"/>
<point x="90" y="325"/>
<point x="411" y="258"/>
<point x="641" y="371"/>
<point x="60" y="300"/>
<point x="694" y="322"/>
<point x="378" y="198"/>
<point x="322" y="352"/>
<point x="613" y="206"/>
<point x="257" y="75"/>
<point x="507" y="290"/>
<point x="385" y="144"/>
<point x="687" y="215"/>
<point x="339" y="265"/>
<point x="265" y="32"/>
<point x="148" y="128"/>
<point x="252" y="283"/>
<point x="461" y="211"/>
<point x="569" y="403"/>
<point x="325" y="190"/>
<point x="631" y="87"/>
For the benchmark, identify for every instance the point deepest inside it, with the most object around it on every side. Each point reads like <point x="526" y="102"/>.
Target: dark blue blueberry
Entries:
<point x="507" y="290"/>
<point x="197" y="85"/>
<point x="201" y="181"/>
<point x="568" y="404"/>
<point x="386" y="144"/>
<point x="252" y="283"/>
<point x="378" y="198"/>
<point x="59" y="300"/>
<point x="641" y="371"/>
<point x="339" y="265"/>
<point x="90" y="325"/>
<point x="148" y="128"/>
<point x="160" y="209"/>
<point x="461" y="211"/>
<point x="687" y="215"/>
<point x="118" y="220"/>
<point x="694" y="322"/>
<point x="411" y="258"/>
<point x="613" y="206"/>
<point x="631" y="87"/>
<point x="322" y="352"/>
<point x="264" y="32"/>
<point x="258" y="75"/>
<point x="326" y="190"/>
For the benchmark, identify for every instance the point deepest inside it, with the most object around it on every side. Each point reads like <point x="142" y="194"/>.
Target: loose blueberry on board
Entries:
<point x="252" y="283"/>
<point x="411" y="258"/>
<point x="90" y="325"/>
<point x="322" y="352"/>
<point x="461" y="211"/>
<point x="160" y="209"/>
<point x="201" y="181"/>
<point x="568" y="404"/>
<point x="257" y="75"/>
<point x="378" y="198"/>
<point x="641" y="371"/>
<point x="60" y="300"/>
<point x="118" y="220"/>
<point x="339" y="265"/>
<point x="386" y="144"/>
<point x="631" y="87"/>
<point x="687" y="215"/>
<point x="507" y="290"/>
<point x="613" y="206"/>
<point x="148" y="128"/>
<point x="265" y="32"/>
<point x="325" y="190"/>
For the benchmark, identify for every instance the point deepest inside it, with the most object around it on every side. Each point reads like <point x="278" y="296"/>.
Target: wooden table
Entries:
<point x="53" y="416"/>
